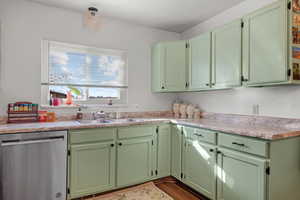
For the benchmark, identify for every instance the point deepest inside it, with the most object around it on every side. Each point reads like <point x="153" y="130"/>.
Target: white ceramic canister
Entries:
<point x="190" y="111"/>
<point x="176" y="109"/>
<point x="197" y="113"/>
<point x="183" y="111"/>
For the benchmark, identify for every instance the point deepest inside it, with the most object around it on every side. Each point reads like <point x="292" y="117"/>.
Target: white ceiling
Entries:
<point x="171" y="15"/>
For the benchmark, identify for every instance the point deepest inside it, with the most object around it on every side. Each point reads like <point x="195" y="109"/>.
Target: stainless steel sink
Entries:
<point x="102" y="121"/>
<point x="129" y="120"/>
<point x="110" y="121"/>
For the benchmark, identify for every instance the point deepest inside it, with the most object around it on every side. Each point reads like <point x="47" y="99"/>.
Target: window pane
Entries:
<point x="85" y="67"/>
<point x="83" y="93"/>
<point x="104" y="93"/>
<point x="88" y="73"/>
<point x="78" y="93"/>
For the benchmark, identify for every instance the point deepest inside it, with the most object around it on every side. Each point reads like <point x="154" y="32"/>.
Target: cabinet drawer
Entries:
<point x="137" y="131"/>
<point x="201" y="135"/>
<point x="92" y="135"/>
<point x="244" y="144"/>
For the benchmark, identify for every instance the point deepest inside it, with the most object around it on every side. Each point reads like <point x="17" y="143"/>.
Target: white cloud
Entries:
<point x="59" y="57"/>
<point x="88" y="60"/>
<point x="103" y="61"/>
<point x="114" y="69"/>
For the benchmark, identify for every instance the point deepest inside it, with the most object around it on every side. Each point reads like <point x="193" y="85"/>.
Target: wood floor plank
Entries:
<point x="177" y="192"/>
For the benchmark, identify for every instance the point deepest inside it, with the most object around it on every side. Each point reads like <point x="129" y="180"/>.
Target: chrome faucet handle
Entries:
<point x="99" y="115"/>
<point x="94" y="115"/>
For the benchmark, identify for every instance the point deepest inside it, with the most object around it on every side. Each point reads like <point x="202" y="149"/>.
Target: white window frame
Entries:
<point x="45" y="95"/>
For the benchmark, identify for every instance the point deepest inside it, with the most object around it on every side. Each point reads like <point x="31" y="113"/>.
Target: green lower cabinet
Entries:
<point x="176" y="152"/>
<point x="164" y="151"/>
<point x="240" y="176"/>
<point x="198" y="167"/>
<point x="134" y="161"/>
<point x="92" y="168"/>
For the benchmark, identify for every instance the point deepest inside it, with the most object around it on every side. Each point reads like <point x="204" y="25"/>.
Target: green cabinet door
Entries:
<point x="157" y="70"/>
<point x="175" y="66"/>
<point x="134" y="161"/>
<point x="176" y="149"/>
<point x="227" y="55"/>
<point x="164" y="151"/>
<point x="198" y="167"/>
<point x="240" y="176"/>
<point x="265" y="45"/>
<point x="92" y="168"/>
<point x="169" y="67"/>
<point x="200" y="62"/>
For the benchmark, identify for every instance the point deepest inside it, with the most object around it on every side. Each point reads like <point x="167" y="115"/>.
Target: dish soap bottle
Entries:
<point x="79" y="114"/>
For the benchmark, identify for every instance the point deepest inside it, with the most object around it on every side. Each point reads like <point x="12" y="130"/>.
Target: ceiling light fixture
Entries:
<point x="92" y="19"/>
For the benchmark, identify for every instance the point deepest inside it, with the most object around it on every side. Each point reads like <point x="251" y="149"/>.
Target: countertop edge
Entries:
<point x="73" y="125"/>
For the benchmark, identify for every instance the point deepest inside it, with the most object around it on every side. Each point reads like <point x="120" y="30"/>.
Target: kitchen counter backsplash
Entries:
<point x="148" y="114"/>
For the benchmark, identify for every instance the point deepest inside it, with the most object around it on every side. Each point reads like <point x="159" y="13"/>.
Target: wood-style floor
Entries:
<point x="175" y="189"/>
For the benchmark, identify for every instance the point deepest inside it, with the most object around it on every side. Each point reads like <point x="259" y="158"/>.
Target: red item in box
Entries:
<point x="42" y="116"/>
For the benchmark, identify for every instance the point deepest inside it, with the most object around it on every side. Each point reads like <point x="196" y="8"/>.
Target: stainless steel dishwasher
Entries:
<point x="33" y="166"/>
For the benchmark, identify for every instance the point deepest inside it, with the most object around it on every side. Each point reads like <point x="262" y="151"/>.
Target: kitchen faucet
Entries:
<point x="99" y="115"/>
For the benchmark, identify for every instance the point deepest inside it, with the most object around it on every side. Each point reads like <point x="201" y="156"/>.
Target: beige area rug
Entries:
<point x="147" y="191"/>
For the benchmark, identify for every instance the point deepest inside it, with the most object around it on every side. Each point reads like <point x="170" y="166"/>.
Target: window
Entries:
<point x="90" y="75"/>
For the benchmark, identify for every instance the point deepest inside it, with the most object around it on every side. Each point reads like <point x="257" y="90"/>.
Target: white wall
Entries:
<point x="227" y="16"/>
<point x="25" y="24"/>
<point x="283" y="101"/>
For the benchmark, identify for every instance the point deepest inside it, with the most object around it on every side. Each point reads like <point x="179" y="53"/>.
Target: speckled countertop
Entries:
<point x="256" y="131"/>
<point x="264" y="129"/>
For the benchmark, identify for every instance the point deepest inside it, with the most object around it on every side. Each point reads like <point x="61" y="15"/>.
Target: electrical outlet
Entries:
<point x="255" y="109"/>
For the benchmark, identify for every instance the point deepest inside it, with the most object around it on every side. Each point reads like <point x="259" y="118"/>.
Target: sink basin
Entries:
<point x="109" y="121"/>
<point x="129" y="120"/>
<point x="102" y="121"/>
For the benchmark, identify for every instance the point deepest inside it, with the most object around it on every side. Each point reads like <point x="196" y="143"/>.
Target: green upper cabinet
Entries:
<point x="169" y="67"/>
<point x="164" y="151"/>
<point x="176" y="151"/>
<point x="240" y="176"/>
<point x="265" y="45"/>
<point x="200" y="62"/>
<point x="134" y="161"/>
<point x="92" y="168"/>
<point x="227" y="55"/>
<point x="198" y="168"/>
<point x="259" y="50"/>
<point x="157" y="70"/>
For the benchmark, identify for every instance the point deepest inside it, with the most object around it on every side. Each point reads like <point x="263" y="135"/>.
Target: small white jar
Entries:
<point x="183" y="111"/>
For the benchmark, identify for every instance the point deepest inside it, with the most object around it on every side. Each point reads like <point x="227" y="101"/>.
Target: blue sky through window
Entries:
<point x="68" y="67"/>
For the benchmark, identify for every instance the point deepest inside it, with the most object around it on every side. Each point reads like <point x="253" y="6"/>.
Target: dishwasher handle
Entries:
<point x="31" y="141"/>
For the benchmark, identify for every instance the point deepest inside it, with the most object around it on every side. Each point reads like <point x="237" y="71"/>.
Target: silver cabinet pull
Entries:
<point x="24" y="142"/>
<point x="239" y="144"/>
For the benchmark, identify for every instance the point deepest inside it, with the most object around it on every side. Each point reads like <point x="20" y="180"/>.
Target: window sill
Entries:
<point x="60" y="107"/>
<point x="89" y="106"/>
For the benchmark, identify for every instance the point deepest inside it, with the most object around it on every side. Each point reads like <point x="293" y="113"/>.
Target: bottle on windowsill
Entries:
<point x="79" y="114"/>
<point x="51" y="100"/>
